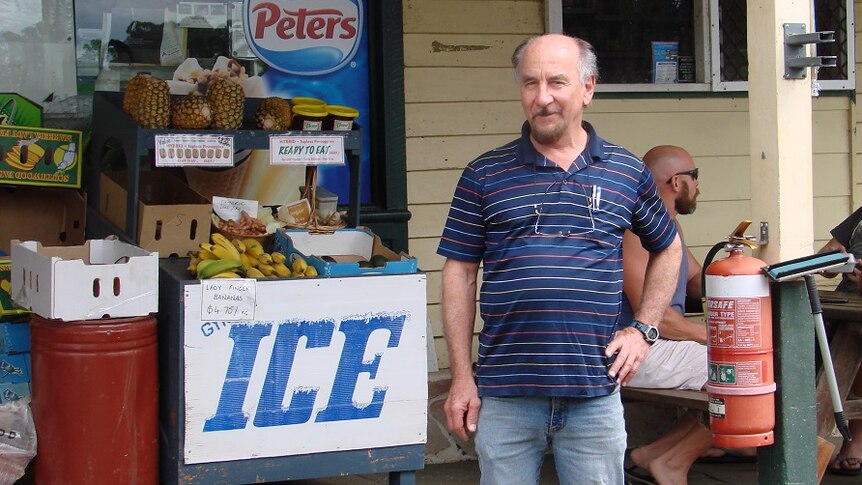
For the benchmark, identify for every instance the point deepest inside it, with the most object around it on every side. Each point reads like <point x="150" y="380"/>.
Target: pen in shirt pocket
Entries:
<point x="597" y="196"/>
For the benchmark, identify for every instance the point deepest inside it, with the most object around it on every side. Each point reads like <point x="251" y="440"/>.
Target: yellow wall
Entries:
<point x="461" y="100"/>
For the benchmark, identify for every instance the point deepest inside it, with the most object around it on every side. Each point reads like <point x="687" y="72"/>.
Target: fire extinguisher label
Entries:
<point x="744" y="374"/>
<point x="734" y="323"/>
<point x="717" y="407"/>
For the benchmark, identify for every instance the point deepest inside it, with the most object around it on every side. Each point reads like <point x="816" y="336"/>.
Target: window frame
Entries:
<point x="708" y="62"/>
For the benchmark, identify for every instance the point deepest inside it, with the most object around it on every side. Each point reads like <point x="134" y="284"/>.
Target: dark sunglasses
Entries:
<point x="692" y="173"/>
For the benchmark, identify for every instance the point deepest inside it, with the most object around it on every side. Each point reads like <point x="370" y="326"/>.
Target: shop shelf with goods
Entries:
<point x="285" y="390"/>
<point x="138" y="146"/>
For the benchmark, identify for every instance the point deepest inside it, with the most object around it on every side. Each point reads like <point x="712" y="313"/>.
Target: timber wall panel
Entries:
<point x="461" y="100"/>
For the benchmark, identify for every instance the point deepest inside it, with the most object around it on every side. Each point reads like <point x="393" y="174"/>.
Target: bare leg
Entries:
<point x="643" y="456"/>
<point x="671" y="468"/>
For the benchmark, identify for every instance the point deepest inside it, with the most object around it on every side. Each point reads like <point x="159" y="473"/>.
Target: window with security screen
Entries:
<point x="731" y="69"/>
<point x="638" y="41"/>
<point x="689" y="45"/>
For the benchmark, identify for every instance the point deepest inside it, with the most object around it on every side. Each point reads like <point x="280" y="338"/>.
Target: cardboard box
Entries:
<point x="14" y="338"/>
<point x="340" y="253"/>
<point x="172" y="218"/>
<point x="9" y="312"/>
<point x="40" y="156"/>
<point x="102" y="278"/>
<point x="14" y="369"/>
<point x="18" y="110"/>
<point x="54" y="217"/>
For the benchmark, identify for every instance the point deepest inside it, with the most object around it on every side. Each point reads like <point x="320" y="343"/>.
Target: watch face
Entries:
<point x="651" y="334"/>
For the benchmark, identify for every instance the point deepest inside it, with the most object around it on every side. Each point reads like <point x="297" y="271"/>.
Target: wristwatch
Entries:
<point x="649" y="331"/>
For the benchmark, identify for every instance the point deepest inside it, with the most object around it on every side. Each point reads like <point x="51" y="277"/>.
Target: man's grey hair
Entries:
<point x="588" y="63"/>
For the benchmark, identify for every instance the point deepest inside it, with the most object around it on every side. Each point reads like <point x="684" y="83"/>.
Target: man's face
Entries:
<point x="552" y="94"/>
<point x="686" y="199"/>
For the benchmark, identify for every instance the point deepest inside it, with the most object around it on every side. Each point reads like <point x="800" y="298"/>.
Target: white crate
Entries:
<point x="102" y="278"/>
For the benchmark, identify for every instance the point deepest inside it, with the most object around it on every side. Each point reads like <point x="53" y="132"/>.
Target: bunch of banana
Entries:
<point x="258" y="263"/>
<point x="237" y="258"/>
<point x="218" y="259"/>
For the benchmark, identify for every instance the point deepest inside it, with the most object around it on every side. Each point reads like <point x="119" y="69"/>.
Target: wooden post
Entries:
<point x="780" y="143"/>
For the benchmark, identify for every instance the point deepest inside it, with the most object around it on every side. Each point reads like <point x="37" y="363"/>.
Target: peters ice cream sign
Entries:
<point x="304" y="37"/>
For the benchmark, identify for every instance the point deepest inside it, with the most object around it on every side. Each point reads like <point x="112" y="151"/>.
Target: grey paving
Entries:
<point x="467" y="472"/>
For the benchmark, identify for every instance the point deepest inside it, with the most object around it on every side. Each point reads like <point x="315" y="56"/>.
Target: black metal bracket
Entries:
<point x="795" y="40"/>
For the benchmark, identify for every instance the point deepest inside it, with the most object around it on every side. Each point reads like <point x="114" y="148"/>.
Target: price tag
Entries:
<point x="306" y="150"/>
<point x="231" y="209"/>
<point x="194" y="150"/>
<point x="228" y="299"/>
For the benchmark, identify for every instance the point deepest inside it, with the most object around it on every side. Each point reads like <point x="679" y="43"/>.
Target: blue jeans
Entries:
<point x="587" y="436"/>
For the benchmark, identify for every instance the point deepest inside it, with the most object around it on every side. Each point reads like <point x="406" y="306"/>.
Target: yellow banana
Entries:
<point x="206" y="246"/>
<point x="252" y="260"/>
<point x="220" y="266"/>
<point x="298" y="265"/>
<point x="239" y="245"/>
<point x="6" y="286"/>
<point x="222" y="252"/>
<point x="280" y="269"/>
<point x="246" y="262"/>
<point x="220" y="241"/>
<point x="310" y="271"/>
<point x="193" y="265"/>
<point x="266" y="269"/>
<point x="265" y="258"/>
<point x="207" y="254"/>
<point x="253" y="246"/>
<point x="254" y="273"/>
<point x="278" y="257"/>
<point x="226" y="274"/>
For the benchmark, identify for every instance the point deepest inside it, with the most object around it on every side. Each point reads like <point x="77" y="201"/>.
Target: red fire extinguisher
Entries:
<point x="741" y="383"/>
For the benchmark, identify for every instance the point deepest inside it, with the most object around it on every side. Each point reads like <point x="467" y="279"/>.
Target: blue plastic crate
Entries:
<point x="14" y="392"/>
<point x="14" y="368"/>
<point x="14" y="338"/>
<point x="340" y="253"/>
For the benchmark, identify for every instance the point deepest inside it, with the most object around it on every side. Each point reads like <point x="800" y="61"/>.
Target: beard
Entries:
<point x="685" y="204"/>
<point x="549" y="134"/>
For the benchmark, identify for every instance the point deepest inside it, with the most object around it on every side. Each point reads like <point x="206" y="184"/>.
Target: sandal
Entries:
<point x="847" y="466"/>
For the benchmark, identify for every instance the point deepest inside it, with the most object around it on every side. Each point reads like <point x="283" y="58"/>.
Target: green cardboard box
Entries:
<point x="40" y="156"/>
<point x="9" y="312"/>
<point x="19" y="111"/>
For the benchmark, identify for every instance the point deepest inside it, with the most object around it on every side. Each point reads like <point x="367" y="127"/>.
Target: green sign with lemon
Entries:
<point x="40" y="156"/>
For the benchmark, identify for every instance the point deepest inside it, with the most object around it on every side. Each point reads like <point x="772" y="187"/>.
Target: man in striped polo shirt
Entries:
<point x="545" y="216"/>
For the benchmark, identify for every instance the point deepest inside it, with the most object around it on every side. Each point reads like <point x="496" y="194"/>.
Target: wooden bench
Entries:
<point x="697" y="400"/>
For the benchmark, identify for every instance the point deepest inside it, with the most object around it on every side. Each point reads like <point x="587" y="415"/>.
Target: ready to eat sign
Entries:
<point x="326" y="364"/>
<point x="304" y="37"/>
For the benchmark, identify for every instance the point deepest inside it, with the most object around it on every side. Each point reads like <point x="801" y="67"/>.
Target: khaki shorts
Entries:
<point x="673" y="364"/>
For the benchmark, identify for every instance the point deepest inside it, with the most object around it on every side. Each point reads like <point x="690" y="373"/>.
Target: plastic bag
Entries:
<point x="17" y="440"/>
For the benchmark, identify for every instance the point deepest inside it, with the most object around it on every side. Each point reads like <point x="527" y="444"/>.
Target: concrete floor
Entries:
<point x="467" y="472"/>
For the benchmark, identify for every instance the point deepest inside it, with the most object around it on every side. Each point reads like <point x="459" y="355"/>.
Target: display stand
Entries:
<point x="342" y="434"/>
<point x="399" y="461"/>
<point x="110" y="122"/>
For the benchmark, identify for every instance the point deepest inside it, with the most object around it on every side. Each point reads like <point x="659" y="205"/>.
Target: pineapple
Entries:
<point x="226" y="99"/>
<point x="191" y="112"/>
<point x="274" y="113"/>
<point x="133" y="91"/>
<point x="149" y="101"/>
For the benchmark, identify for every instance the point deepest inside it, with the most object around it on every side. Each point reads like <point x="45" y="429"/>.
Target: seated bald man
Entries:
<point x="678" y="359"/>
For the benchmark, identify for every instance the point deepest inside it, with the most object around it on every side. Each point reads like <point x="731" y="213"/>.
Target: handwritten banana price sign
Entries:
<point x="332" y="364"/>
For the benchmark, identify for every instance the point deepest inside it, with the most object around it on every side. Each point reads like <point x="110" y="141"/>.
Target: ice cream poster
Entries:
<point x="318" y="49"/>
<point x="40" y="156"/>
<point x="309" y="49"/>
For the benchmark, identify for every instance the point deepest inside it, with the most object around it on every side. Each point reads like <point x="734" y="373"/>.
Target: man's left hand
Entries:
<point x="631" y="350"/>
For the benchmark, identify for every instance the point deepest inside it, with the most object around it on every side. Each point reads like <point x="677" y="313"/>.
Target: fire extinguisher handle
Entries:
<point x="813" y="297"/>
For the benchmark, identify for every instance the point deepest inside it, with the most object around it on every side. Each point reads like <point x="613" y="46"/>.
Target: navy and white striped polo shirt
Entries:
<point x="550" y="242"/>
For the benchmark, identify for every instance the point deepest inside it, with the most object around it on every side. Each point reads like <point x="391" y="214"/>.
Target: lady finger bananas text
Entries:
<point x="244" y="258"/>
